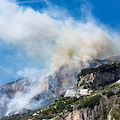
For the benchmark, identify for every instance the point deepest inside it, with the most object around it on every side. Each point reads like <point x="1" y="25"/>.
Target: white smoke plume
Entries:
<point x="23" y="101"/>
<point x="57" y="42"/>
<point x="61" y="41"/>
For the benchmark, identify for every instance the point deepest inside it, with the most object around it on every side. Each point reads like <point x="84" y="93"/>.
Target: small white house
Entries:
<point x="84" y="92"/>
<point x="70" y="93"/>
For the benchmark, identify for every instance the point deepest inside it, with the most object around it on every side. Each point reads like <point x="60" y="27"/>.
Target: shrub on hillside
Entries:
<point x="118" y="93"/>
<point x="103" y="92"/>
<point x="110" y="93"/>
<point x="60" y="106"/>
<point x="89" y="101"/>
<point x="69" y="108"/>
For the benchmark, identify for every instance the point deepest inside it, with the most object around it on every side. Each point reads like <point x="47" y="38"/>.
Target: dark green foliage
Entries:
<point x="71" y="100"/>
<point x="108" y="67"/>
<point x="103" y="92"/>
<point x="85" y="87"/>
<point x="104" y="113"/>
<point x="93" y="87"/>
<point x="118" y="93"/>
<point x="46" y="114"/>
<point x="56" y="100"/>
<point x="69" y="108"/>
<point x="110" y="93"/>
<point x="60" y="106"/>
<point x="53" y="110"/>
<point x="86" y="71"/>
<point x="89" y="101"/>
<point x="65" y="103"/>
<point x="116" y="114"/>
<point x="103" y="68"/>
<point x="13" y="117"/>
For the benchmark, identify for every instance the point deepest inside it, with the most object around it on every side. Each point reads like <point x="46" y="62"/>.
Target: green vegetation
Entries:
<point x="89" y="101"/>
<point x="115" y="113"/>
<point x="110" y="93"/>
<point x="103" y="92"/>
<point x="93" y="87"/>
<point x="86" y="71"/>
<point x="69" y="108"/>
<point x="13" y="117"/>
<point x="104" y="112"/>
<point x="102" y="68"/>
<point x="60" y="106"/>
<point x="118" y="93"/>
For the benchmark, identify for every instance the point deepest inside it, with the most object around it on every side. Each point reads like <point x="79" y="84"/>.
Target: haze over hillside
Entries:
<point x="25" y="95"/>
<point x="97" y="97"/>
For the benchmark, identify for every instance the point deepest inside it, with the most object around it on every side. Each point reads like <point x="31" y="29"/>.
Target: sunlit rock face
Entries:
<point x="10" y="89"/>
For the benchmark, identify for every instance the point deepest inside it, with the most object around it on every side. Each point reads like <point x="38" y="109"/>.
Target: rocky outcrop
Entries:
<point x="10" y="89"/>
<point x="99" y="76"/>
<point x="82" y="114"/>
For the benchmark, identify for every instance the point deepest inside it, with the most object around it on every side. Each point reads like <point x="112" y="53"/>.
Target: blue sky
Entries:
<point x="107" y="11"/>
<point x="13" y="59"/>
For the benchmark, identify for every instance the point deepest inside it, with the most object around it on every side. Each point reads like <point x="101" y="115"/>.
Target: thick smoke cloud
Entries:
<point x="61" y="41"/>
<point x="57" y="42"/>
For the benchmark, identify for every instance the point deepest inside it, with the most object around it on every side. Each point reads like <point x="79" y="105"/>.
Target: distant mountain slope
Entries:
<point x="11" y="88"/>
<point x="7" y="92"/>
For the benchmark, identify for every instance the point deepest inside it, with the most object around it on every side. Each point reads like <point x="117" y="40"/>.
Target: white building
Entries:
<point x="84" y="92"/>
<point x="70" y="93"/>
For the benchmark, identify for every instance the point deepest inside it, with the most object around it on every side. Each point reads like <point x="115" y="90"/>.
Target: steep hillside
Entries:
<point x="102" y="104"/>
<point x="90" y="78"/>
<point x="99" y="76"/>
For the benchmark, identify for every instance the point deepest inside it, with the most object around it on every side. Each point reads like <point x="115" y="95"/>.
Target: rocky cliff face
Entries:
<point x="25" y="85"/>
<point x="7" y="92"/>
<point x="100" y="76"/>
<point x="83" y="114"/>
<point x="10" y="89"/>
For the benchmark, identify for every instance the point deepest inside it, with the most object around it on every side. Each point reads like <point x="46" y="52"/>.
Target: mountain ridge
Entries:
<point x="21" y="86"/>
